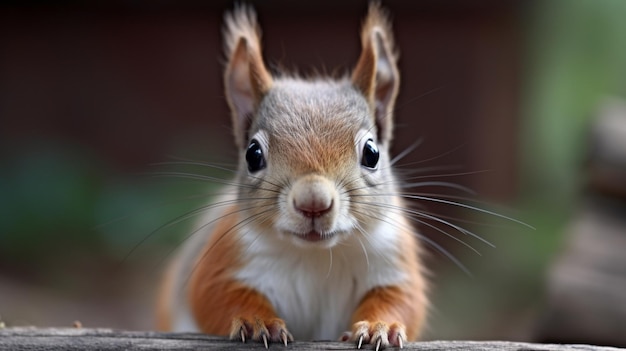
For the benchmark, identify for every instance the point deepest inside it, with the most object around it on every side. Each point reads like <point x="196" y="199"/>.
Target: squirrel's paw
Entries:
<point x="260" y="330"/>
<point x="377" y="333"/>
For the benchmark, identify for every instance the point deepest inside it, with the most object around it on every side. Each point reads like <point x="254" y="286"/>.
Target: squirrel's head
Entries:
<point x="314" y="163"/>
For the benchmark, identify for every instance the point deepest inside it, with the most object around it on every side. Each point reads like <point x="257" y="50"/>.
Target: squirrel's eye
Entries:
<point x="370" y="154"/>
<point x="254" y="157"/>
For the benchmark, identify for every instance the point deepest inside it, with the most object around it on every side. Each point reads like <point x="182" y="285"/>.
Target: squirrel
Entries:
<point x="313" y="242"/>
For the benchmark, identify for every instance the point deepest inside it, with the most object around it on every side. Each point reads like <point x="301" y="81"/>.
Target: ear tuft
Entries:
<point x="240" y="23"/>
<point x="376" y="74"/>
<point x="246" y="79"/>
<point x="378" y="20"/>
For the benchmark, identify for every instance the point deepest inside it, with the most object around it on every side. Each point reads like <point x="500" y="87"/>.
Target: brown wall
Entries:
<point x="130" y="79"/>
<point x="131" y="82"/>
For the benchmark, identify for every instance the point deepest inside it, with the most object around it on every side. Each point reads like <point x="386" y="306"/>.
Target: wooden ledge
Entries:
<point x="18" y="339"/>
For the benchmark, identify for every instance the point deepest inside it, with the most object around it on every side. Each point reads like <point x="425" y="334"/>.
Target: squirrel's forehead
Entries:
<point x="313" y="105"/>
<point x="314" y="151"/>
<point x="313" y="127"/>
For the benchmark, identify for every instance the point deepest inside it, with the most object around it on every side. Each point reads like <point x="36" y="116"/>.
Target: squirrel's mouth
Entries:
<point x="314" y="236"/>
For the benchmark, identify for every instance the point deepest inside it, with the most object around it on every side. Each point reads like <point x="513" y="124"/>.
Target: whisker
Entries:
<point x="474" y="208"/>
<point x="367" y="259"/>
<point x="203" y="164"/>
<point x="184" y="159"/>
<point x="434" y="218"/>
<point x="261" y="220"/>
<point x="445" y="252"/>
<point x="367" y="237"/>
<point x="447" y="175"/>
<point x="406" y="151"/>
<point x="206" y="177"/>
<point x="183" y="162"/>
<point x="400" y="170"/>
<point x="330" y="264"/>
<point x="409" y="101"/>
<point x="238" y="224"/>
<point x="456" y="148"/>
<point x="457" y="219"/>
<point x="401" y="184"/>
<point x="439" y="184"/>
<point x="159" y="205"/>
<point x="195" y="231"/>
<point x="452" y="203"/>
<point x="464" y="198"/>
<point x="456" y="197"/>
<point x="437" y="247"/>
<point x="452" y="225"/>
<point x="189" y="215"/>
<point x="446" y="234"/>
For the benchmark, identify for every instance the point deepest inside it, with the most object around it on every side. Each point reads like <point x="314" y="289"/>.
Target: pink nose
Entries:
<point x="312" y="196"/>
<point x="313" y="207"/>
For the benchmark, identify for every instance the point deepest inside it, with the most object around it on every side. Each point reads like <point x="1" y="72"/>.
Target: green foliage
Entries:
<point x="576" y="54"/>
<point x="58" y="199"/>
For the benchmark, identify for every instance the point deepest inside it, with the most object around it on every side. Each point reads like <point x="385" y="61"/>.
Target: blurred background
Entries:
<point x="522" y="97"/>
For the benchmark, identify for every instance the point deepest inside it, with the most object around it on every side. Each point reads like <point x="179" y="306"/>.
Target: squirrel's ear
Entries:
<point x="246" y="79"/>
<point x="376" y="73"/>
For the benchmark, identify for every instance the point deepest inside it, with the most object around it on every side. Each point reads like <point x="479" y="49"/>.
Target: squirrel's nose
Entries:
<point x="312" y="196"/>
<point x="313" y="207"/>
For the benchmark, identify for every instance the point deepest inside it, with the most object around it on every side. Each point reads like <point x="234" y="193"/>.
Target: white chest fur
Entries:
<point x="316" y="290"/>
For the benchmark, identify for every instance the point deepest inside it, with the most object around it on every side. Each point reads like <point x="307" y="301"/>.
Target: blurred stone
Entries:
<point x="587" y="284"/>
<point x="607" y="159"/>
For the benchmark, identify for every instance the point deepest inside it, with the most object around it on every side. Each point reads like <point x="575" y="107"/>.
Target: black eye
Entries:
<point x="254" y="157"/>
<point x="370" y="154"/>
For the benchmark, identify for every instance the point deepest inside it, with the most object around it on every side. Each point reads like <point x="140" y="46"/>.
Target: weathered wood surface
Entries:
<point x="31" y="339"/>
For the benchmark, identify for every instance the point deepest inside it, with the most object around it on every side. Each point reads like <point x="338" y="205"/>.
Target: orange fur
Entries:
<point x="317" y="155"/>
<point x="216" y="299"/>
<point x="404" y="304"/>
<point x="163" y="317"/>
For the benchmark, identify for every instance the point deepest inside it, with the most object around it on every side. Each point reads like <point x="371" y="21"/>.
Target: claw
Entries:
<point x="283" y="336"/>
<point x="400" y="344"/>
<point x="378" y="343"/>
<point x="360" y="342"/>
<point x="243" y="335"/>
<point x="265" y="341"/>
